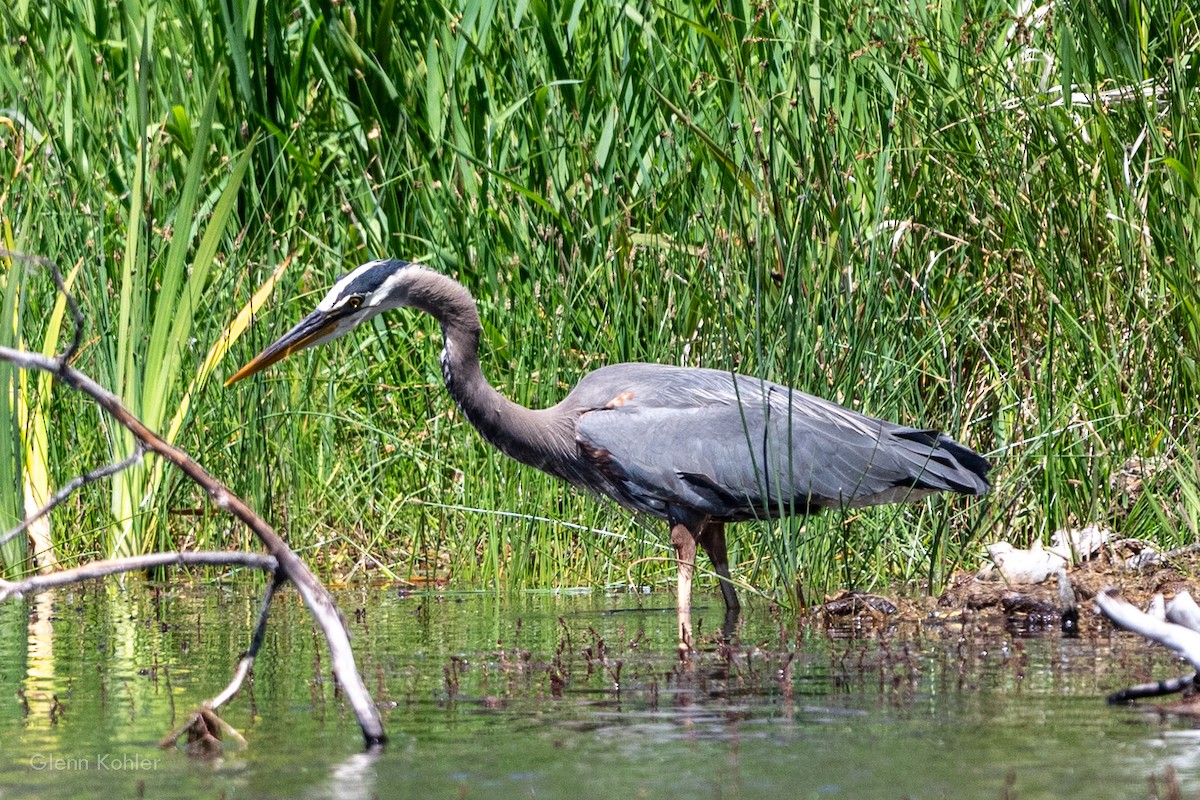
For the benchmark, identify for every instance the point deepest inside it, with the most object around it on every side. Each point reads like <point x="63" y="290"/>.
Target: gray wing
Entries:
<point x="734" y="447"/>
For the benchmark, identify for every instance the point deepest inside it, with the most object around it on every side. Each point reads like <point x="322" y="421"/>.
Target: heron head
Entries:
<point x="353" y="299"/>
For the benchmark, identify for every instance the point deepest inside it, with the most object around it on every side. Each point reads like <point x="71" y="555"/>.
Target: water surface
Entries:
<point x="569" y="695"/>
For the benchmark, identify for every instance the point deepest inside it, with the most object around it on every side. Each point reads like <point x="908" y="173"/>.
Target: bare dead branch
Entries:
<point x="247" y="659"/>
<point x="288" y="565"/>
<point x="71" y="487"/>
<point x="113" y="566"/>
<point x="1181" y="639"/>
<point x="206" y="730"/>
<point x="76" y="315"/>
<point x="1184" y="641"/>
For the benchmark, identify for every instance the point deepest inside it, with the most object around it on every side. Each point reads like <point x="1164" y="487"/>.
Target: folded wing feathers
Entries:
<point x="714" y="443"/>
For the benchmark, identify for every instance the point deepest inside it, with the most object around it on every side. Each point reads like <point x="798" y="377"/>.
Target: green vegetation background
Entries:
<point x="971" y="215"/>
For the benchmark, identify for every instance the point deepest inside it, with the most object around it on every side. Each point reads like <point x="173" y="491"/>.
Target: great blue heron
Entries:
<point x="695" y="447"/>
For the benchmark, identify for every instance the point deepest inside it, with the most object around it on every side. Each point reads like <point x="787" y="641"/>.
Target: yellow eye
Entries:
<point x="354" y="302"/>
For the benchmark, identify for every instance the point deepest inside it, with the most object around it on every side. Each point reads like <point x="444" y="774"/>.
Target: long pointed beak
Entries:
<point x="308" y="331"/>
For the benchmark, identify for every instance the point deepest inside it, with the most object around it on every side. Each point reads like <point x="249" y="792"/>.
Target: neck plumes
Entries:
<point x="518" y="432"/>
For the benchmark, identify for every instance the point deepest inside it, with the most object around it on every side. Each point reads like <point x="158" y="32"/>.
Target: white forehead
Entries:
<point x="372" y="280"/>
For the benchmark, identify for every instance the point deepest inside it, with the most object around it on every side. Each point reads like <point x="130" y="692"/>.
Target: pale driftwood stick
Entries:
<point x="70" y="488"/>
<point x="1182" y="640"/>
<point x="1182" y="610"/>
<point x="112" y="566"/>
<point x="289" y="565"/>
<point x="247" y="659"/>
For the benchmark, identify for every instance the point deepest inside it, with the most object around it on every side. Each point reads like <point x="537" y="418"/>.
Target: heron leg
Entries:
<point x="684" y="540"/>
<point x="712" y="539"/>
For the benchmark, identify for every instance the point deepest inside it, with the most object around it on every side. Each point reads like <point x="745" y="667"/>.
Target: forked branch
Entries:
<point x="288" y="565"/>
<point x="1175" y="629"/>
<point x="203" y="727"/>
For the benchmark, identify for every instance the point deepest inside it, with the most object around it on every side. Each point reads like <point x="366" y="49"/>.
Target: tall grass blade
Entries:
<point x="14" y="552"/>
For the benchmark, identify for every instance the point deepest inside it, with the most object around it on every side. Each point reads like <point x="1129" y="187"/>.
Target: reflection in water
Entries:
<point x="353" y="778"/>
<point x="583" y="696"/>
<point x="38" y="686"/>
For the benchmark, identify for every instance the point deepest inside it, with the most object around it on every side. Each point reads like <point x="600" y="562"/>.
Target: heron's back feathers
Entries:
<point x="732" y="447"/>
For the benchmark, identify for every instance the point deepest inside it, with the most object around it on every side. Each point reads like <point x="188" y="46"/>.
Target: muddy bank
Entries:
<point x="1039" y="604"/>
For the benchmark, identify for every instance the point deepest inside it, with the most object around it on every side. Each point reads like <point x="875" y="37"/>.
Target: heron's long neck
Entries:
<point x="519" y="432"/>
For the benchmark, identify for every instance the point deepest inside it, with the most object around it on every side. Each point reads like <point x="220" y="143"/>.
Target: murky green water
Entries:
<point x="567" y="696"/>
